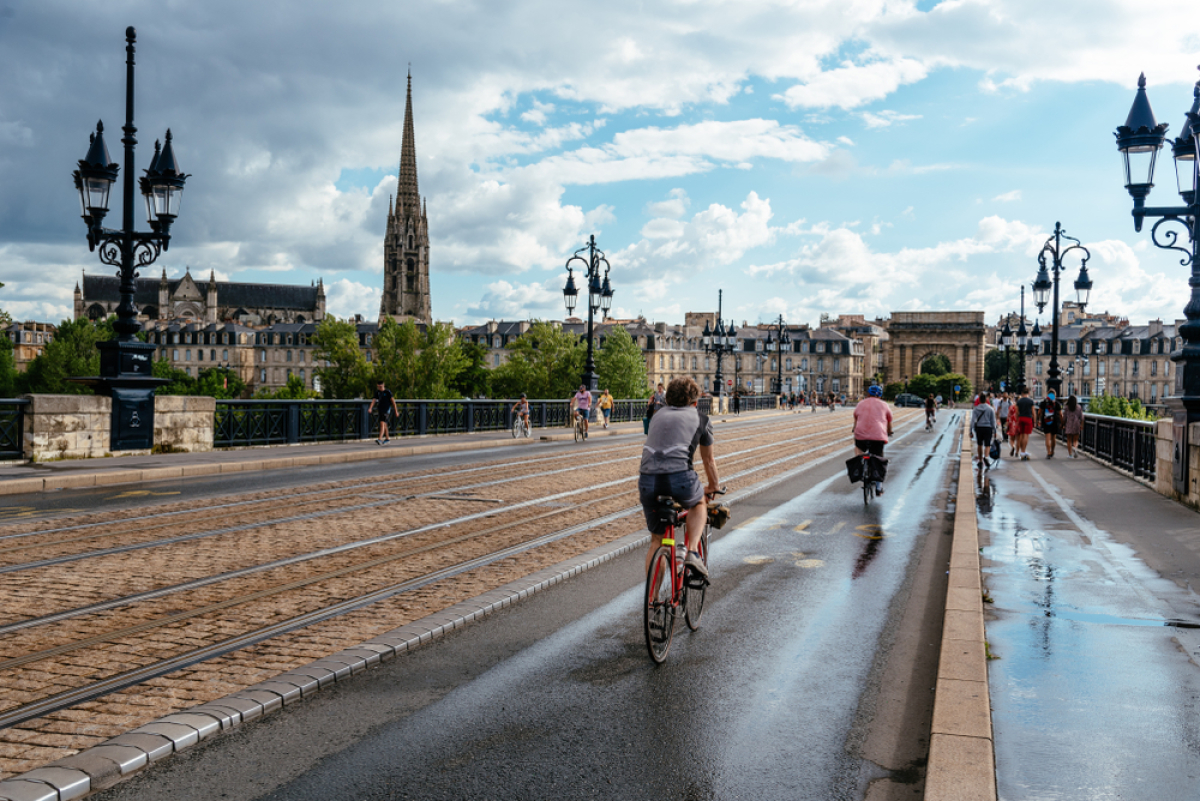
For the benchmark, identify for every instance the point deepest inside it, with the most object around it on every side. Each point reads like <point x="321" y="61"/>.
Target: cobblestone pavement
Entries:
<point x="89" y="597"/>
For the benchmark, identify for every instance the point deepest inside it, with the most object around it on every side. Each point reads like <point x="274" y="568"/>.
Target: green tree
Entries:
<point x="181" y="382"/>
<point x="71" y="353"/>
<point x="346" y="372"/>
<point x="621" y="365"/>
<point x="294" y="389"/>
<point x="221" y="383"/>
<point x="1113" y="406"/>
<point x="5" y="317"/>
<point x="925" y="385"/>
<point x="890" y="391"/>
<point x="937" y="364"/>
<point x="8" y="369"/>
<point x="544" y="362"/>
<point x="419" y="364"/>
<point x="947" y="382"/>
<point x="472" y="380"/>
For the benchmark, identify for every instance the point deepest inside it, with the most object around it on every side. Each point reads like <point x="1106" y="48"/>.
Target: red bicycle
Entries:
<point x="668" y="585"/>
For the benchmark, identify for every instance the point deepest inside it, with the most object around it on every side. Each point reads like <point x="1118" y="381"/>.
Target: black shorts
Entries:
<point x="983" y="436"/>
<point x="684" y="487"/>
<point x="872" y="446"/>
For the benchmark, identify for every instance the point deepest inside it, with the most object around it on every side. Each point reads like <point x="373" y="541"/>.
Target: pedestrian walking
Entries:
<point x="605" y="404"/>
<point x="387" y="407"/>
<point x="983" y="427"/>
<point x="1002" y="408"/>
<point x="737" y="401"/>
<point x="1049" y="412"/>
<point x="1072" y="425"/>
<point x="1025" y="409"/>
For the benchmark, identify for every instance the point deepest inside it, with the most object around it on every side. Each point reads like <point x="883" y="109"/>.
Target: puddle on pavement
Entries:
<point x="1090" y="697"/>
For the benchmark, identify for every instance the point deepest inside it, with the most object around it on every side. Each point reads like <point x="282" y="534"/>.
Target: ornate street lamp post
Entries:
<point x="719" y="341"/>
<point x="125" y="363"/>
<point x="1043" y="284"/>
<point x="778" y="347"/>
<point x="599" y="298"/>
<point x="1006" y="338"/>
<point x="1139" y="140"/>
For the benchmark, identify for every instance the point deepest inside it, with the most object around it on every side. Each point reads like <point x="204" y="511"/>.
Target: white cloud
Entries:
<point x="1009" y="197"/>
<point x="886" y="118"/>
<point x="851" y="85"/>
<point x="345" y="298"/>
<point x="508" y="301"/>
<point x="674" y="207"/>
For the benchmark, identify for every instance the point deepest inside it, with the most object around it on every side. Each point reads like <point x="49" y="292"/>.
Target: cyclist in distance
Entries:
<point x="583" y="406"/>
<point x="521" y="407"/>
<point x="872" y="426"/>
<point x="676" y="431"/>
<point x="930" y="410"/>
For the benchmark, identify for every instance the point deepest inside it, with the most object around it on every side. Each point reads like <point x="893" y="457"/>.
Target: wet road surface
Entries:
<point x="773" y="697"/>
<point x="1096" y="688"/>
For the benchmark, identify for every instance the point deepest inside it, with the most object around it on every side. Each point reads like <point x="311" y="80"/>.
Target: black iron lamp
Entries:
<point x="600" y="293"/>
<point x="1043" y="284"/>
<point x="125" y="363"/>
<point x="718" y="341"/>
<point x="1142" y="134"/>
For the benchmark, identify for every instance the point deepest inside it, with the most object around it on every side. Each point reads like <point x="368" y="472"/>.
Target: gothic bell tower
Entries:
<point x="406" y="243"/>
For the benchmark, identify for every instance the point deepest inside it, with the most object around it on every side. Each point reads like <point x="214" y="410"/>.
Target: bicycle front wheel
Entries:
<point x="658" y="613"/>
<point x="516" y="428"/>
<point x="578" y="431"/>
<point x="694" y="590"/>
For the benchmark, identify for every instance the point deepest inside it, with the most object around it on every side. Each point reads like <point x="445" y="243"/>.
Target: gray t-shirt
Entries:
<point x="675" y="431"/>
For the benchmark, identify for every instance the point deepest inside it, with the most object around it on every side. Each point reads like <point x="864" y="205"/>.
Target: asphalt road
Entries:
<point x="811" y="676"/>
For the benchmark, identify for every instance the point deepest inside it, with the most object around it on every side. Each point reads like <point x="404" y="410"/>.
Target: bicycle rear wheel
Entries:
<point x="578" y="430"/>
<point x="868" y="490"/>
<point x="694" y="591"/>
<point x="658" y="613"/>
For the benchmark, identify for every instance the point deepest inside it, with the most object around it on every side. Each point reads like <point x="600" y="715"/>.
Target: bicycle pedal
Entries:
<point x="695" y="581"/>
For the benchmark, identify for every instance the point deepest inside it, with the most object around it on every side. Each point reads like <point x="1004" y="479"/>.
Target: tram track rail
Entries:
<point x="164" y="666"/>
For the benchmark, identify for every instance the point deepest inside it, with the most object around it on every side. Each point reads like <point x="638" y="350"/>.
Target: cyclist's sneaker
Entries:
<point x="694" y="561"/>
<point x="878" y="488"/>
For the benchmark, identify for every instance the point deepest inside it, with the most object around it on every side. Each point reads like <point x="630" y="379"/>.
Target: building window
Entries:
<point x="820" y="347"/>
<point x="301" y="373"/>
<point x="1071" y="347"/>
<point x="496" y="359"/>
<point x="1037" y="369"/>
<point x="804" y="347"/>
<point x="1137" y="346"/>
<point x="263" y="354"/>
<point x="187" y="355"/>
<point x="1100" y="368"/>
<point x="495" y="341"/>
<point x="175" y="354"/>
<point x="212" y="355"/>
<point x="225" y="355"/>
<point x="1135" y="369"/>
<point x="289" y="356"/>
<point x="263" y="375"/>
<point x="837" y="366"/>
<point x="1099" y="347"/>
<point x="804" y="364"/>
<point x="694" y="361"/>
<point x="187" y="370"/>
<point x="300" y="357"/>
<point x="199" y="354"/>
<point x="1153" y="368"/>
<point x="788" y="364"/>
<point x="820" y="364"/>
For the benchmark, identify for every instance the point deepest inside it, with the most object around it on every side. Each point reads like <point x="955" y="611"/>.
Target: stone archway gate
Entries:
<point x="960" y="336"/>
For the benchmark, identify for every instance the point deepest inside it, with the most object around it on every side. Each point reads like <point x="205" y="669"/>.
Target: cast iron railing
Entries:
<point x="1130" y="445"/>
<point x="241" y="423"/>
<point x="12" y="428"/>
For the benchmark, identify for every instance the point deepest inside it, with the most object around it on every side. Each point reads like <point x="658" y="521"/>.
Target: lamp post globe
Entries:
<point x="600" y="293"/>
<point x="1139" y="137"/>
<point x="125" y="362"/>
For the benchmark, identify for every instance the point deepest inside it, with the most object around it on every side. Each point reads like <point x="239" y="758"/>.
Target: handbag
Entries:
<point x="994" y="451"/>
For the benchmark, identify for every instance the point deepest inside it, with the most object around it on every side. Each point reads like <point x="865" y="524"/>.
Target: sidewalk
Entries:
<point x="1092" y="631"/>
<point x="72" y="473"/>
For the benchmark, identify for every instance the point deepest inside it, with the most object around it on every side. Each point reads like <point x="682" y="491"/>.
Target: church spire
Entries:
<point x="408" y="197"/>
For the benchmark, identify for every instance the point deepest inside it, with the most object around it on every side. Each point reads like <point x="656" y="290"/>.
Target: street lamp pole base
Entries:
<point x="125" y="377"/>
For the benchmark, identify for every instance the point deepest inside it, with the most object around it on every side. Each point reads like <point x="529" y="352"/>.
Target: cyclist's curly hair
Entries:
<point x="682" y="392"/>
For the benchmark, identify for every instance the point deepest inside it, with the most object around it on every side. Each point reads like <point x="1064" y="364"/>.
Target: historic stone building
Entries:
<point x="187" y="300"/>
<point x="406" y="242"/>
<point x="913" y="337"/>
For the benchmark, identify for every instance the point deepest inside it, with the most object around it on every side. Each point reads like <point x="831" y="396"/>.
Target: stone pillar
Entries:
<point x="67" y="427"/>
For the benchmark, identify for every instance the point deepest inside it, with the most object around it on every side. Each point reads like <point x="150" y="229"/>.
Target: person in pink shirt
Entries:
<point x="583" y="406"/>
<point x="872" y="426"/>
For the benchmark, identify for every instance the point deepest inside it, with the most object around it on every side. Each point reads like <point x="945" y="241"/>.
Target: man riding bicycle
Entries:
<point x="676" y="431"/>
<point x="583" y="406"/>
<point x="521" y="408"/>
<point x="872" y="426"/>
<point x="930" y="410"/>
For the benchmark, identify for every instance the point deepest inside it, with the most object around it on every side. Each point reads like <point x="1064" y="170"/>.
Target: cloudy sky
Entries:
<point x="850" y="156"/>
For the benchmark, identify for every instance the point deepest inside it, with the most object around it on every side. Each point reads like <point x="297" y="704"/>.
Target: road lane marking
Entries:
<point x="143" y="493"/>
<point x="871" y="531"/>
<point x="800" y="528"/>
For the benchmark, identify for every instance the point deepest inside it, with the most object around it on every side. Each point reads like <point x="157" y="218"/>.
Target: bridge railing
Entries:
<point x="12" y="428"/>
<point x="1127" y="444"/>
<point x="240" y="423"/>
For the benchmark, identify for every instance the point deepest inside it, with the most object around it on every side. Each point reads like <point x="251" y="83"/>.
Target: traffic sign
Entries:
<point x="957" y="388"/>
<point x="730" y="382"/>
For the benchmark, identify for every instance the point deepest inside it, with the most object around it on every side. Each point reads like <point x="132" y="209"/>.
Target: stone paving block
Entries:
<point x="126" y="759"/>
<point x="201" y="469"/>
<point x="227" y="718"/>
<point x="340" y="669"/>
<point x="247" y="709"/>
<point x="69" y="783"/>
<point x="180" y="736"/>
<point x="160" y="473"/>
<point x="306" y="684"/>
<point x="960" y="769"/>
<point x="368" y="656"/>
<point x="964" y="578"/>
<point x="961" y="707"/>
<point x="962" y="626"/>
<point x="323" y="676"/>
<point x="68" y="481"/>
<point x="205" y="725"/>
<point x="118" y="477"/>
<point x="101" y="771"/>
<point x="963" y="659"/>
<point x="384" y="650"/>
<point x="268" y="700"/>
<point x="285" y="690"/>
<point x="20" y="790"/>
<point x="16" y="486"/>
<point x="964" y="599"/>
<point x="968" y="560"/>
<point x="154" y="746"/>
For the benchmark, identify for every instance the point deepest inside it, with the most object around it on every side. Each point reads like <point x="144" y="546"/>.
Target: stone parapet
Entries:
<point x="183" y="424"/>
<point x="67" y="427"/>
<point x="1164" y="481"/>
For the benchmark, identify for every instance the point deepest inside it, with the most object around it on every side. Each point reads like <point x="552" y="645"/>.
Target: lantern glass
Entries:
<point x="1185" y="172"/>
<point x="1139" y="164"/>
<point x="570" y="294"/>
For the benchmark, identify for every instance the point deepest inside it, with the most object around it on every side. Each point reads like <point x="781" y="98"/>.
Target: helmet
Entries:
<point x="875" y="391"/>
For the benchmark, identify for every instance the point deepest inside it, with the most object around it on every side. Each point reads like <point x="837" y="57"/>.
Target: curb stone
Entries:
<point x="962" y="761"/>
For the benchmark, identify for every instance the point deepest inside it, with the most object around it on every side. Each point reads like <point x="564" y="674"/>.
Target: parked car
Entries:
<point x="910" y="400"/>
